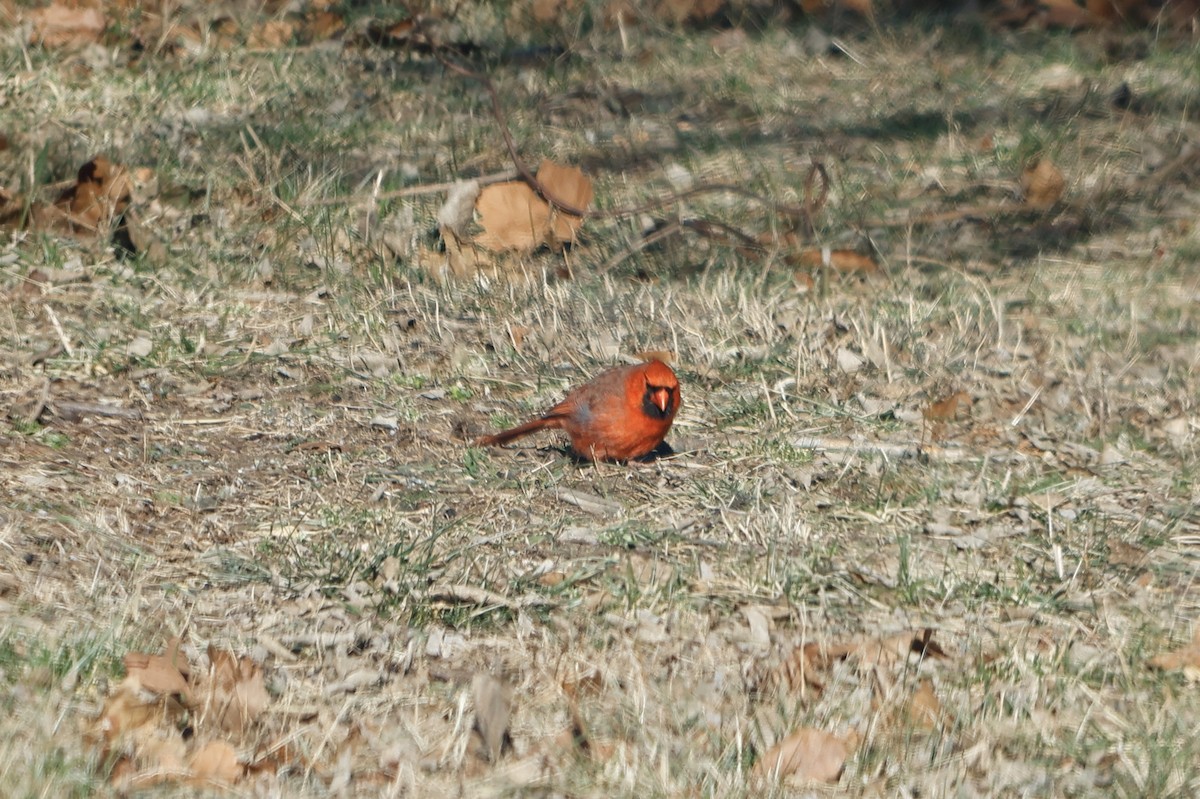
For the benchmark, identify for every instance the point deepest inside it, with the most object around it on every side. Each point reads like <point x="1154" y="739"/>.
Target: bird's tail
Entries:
<point x="512" y="434"/>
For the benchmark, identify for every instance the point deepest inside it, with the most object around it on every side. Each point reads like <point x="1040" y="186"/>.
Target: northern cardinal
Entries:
<point x="620" y="414"/>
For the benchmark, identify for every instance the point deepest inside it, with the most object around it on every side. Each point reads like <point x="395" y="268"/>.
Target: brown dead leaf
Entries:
<point x="492" y="713"/>
<point x="799" y="672"/>
<point x="392" y="34"/>
<point x="575" y="737"/>
<point x="865" y="8"/>
<point x="583" y="682"/>
<point x="845" y="261"/>
<point x="126" y="709"/>
<point x="569" y="186"/>
<point x="99" y="195"/>
<point x="1042" y="184"/>
<point x="1185" y="659"/>
<point x="12" y="209"/>
<point x="462" y="259"/>
<point x="159" y="758"/>
<point x="578" y="739"/>
<point x="321" y="25"/>
<point x="273" y="34"/>
<point x="233" y="693"/>
<point x="887" y="651"/>
<point x="282" y="755"/>
<point x="678" y="11"/>
<point x="1121" y="553"/>
<point x="1065" y="14"/>
<point x="164" y="674"/>
<point x="552" y="578"/>
<point x="215" y="762"/>
<point x="947" y="409"/>
<point x="807" y="662"/>
<point x="513" y="217"/>
<point x="552" y="12"/>
<point x="163" y="752"/>
<point x="66" y="25"/>
<point x="924" y="709"/>
<point x="900" y="647"/>
<point x="666" y="356"/>
<point x="1110" y="10"/>
<point x="517" y="334"/>
<point x="807" y="754"/>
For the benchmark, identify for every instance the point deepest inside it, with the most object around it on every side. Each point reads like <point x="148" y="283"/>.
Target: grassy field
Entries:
<point x="989" y="445"/>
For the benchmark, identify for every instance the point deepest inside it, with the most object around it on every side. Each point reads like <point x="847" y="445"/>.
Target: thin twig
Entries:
<point x="814" y="199"/>
<point x="413" y="191"/>
<point x="58" y="328"/>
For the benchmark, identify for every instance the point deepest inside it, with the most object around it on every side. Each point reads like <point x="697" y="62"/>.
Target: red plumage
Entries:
<point x="620" y="414"/>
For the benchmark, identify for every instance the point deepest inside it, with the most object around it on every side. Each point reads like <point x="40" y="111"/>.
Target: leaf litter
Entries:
<point x="787" y="600"/>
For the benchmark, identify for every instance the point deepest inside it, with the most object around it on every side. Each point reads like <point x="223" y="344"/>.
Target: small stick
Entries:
<point x="58" y="328"/>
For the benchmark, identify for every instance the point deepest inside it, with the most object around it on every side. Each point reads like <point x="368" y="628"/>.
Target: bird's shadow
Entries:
<point x="663" y="450"/>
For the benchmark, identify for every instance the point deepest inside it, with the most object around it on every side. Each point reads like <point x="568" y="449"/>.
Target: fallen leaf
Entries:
<point x="666" y="356"/>
<point x="457" y="212"/>
<point x="233" y="693"/>
<point x="1065" y="14"/>
<point x="164" y="674"/>
<point x="758" y="621"/>
<point x="140" y="347"/>
<point x="216" y="761"/>
<point x="1185" y="659"/>
<point x="62" y="25"/>
<point x="885" y="651"/>
<point x="388" y="34"/>
<point x="517" y="334"/>
<point x="163" y="752"/>
<point x="12" y="209"/>
<point x="576" y="736"/>
<point x="569" y="186"/>
<point x="463" y="258"/>
<point x="808" y="754"/>
<point x="551" y="579"/>
<point x="320" y="25"/>
<point x="848" y="361"/>
<point x="924" y="709"/>
<point x="550" y="12"/>
<point x="100" y="194"/>
<point x="513" y="217"/>
<point x="1042" y="184"/>
<point x="731" y="40"/>
<point x="159" y="758"/>
<point x="799" y="671"/>
<point x="126" y="709"/>
<point x="947" y="409"/>
<point x="846" y="261"/>
<point x="1111" y="10"/>
<point x="679" y="11"/>
<point x="1123" y="554"/>
<point x="272" y="35"/>
<point x="491" y="714"/>
<point x="584" y="682"/>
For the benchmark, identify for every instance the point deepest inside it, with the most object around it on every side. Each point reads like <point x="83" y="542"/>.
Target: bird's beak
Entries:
<point x="661" y="397"/>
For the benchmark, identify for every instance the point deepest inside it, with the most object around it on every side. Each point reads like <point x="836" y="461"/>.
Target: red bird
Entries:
<point x="620" y="414"/>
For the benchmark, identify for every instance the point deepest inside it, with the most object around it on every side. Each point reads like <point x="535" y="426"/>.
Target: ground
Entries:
<point x="977" y="453"/>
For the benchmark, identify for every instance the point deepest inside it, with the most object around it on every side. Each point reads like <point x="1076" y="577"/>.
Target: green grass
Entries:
<point x="257" y="507"/>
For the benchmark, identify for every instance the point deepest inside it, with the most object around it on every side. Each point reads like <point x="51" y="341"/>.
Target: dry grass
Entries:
<point x="299" y="487"/>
